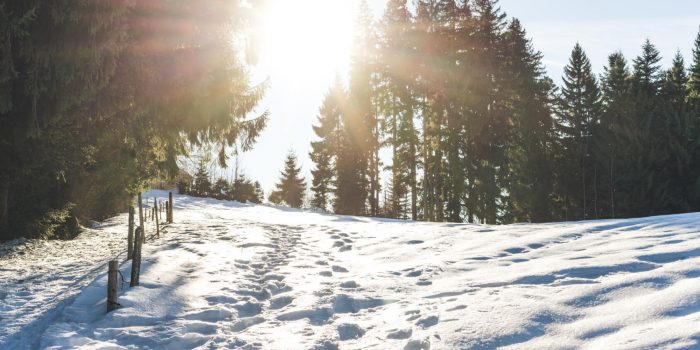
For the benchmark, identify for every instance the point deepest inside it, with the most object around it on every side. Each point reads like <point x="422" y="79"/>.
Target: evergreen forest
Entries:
<point x="447" y="114"/>
<point x="457" y="95"/>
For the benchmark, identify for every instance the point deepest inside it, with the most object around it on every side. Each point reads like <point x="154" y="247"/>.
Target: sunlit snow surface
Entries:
<point x="229" y="275"/>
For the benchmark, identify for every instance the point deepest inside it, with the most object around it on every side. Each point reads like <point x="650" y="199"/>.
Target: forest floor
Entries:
<point x="231" y="275"/>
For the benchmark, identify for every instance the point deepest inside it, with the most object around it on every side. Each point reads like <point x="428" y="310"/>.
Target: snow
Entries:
<point x="231" y="275"/>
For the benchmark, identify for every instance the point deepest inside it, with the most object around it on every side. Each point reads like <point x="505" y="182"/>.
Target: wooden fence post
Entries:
<point x="170" y="207"/>
<point x="130" y="237"/>
<point x="155" y="213"/>
<point x="112" y="280"/>
<point x="141" y="215"/>
<point x="136" y="261"/>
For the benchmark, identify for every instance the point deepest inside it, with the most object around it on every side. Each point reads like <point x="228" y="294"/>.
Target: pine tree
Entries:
<point x="611" y="143"/>
<point x="244" y="190"/>
<point x="259" y="194"/>
<point x="324" y="153"/>
<point x="694" y="125"/>
<point x="674" y="180"/>
<point x="579" y="110"/>
<point x="90" y="116"/>
<point x="221" y="189"/>
<point x="464" y="118"/>
<point x="640" y="182"/>
<point x="435" y="37"/>
<point x="530" y="181"/>
<point x="291" y="187"/>
<point x="362" y="107"/>
<point x="397" y="102"/>
<point x="202" y="185"/>
<point x="488" y="125"/>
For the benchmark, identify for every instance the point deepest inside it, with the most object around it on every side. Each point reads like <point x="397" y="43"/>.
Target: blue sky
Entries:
<point x="600" y="26"/>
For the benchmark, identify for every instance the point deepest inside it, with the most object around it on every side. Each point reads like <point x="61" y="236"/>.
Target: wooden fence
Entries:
<point x="136" y="237"/>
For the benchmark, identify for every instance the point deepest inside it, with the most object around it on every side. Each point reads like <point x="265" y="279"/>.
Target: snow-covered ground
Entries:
<point x="230" y="275"/>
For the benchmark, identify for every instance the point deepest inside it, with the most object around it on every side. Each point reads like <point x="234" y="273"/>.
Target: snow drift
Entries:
<point x="229" y="275"/>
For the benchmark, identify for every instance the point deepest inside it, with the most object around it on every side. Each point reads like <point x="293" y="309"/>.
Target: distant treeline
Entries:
<point x="479" y="133"/>
<point x="99" y="97"/>
<point x="241" y="189"/>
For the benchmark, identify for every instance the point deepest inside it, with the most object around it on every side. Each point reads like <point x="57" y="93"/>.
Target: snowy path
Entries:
<point x="38" y="277"/>
<point x="228" y="275"/>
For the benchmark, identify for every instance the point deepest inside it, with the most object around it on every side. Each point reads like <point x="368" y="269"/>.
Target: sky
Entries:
<point x="307" y="44"/>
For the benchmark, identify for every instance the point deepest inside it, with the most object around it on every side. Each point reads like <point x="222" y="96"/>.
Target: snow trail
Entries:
<point x="230" y="275"/>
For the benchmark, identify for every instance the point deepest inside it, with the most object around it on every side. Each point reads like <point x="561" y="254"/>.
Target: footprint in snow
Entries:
<point x="221" y="299"/>
<point x="337" y="268"/>
<point x="412" y="315"/>
<point x="400" y="333"/>
<point x="260" y="295"/>
<point x="349" y="285"/>
<point x="458" y="307"/>
<point x="280" y="302"/>
<point x="245" y="323"/>
<point x="203" y="328"/>
<point x="248" y="309"/>
<point x="414" y="273"/>
<point x="516" y="250"/>
<point x="347" y="331"/>
<point x="412" y="318"/>
<point x="273" y="277"/>
<point x="417" y="345"/>
<point x="209" y="315"/>
<point x="427" y="322"/>
<point x="277" y="287"/>
<point x="326" y="345"/>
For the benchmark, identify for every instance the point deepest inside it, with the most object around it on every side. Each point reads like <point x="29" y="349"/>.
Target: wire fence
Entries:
<point x="135" y="239"/>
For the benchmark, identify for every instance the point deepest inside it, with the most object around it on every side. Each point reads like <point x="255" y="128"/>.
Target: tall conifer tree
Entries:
<point x="611" y="142"/>
<point x="578" y="112"/>
<point x="362" y="105"/>
<point x="397" y="103"/>
<point x="640" y="180"/>
<point x="530" y="181"/>
<point x="324" y="153"/>
<point x="674" y="135"/>
<point x="291" y="187"/>
<point x="694" y="106"/>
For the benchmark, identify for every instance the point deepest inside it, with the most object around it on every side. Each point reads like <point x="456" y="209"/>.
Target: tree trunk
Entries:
<point x="130" y="235"/>
<point x="395" y="198"/>
<point x="414" y="193"/>
<point x="414" y="180"/>
<point x="4" y="199"/>
<point x="141" y="218"/>
<point x="612" y="186"/>
<point x="583" y="184"/>
<point x="595" y="191"/>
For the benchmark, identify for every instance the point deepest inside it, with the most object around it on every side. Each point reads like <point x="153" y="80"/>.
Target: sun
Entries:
<point x="306" y="36"/>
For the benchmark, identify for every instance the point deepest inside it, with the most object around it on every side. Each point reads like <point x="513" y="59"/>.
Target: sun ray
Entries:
<point x="304" y="37"/>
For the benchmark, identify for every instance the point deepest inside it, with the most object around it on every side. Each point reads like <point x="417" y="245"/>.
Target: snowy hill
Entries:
<point x="230" y="275"/>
